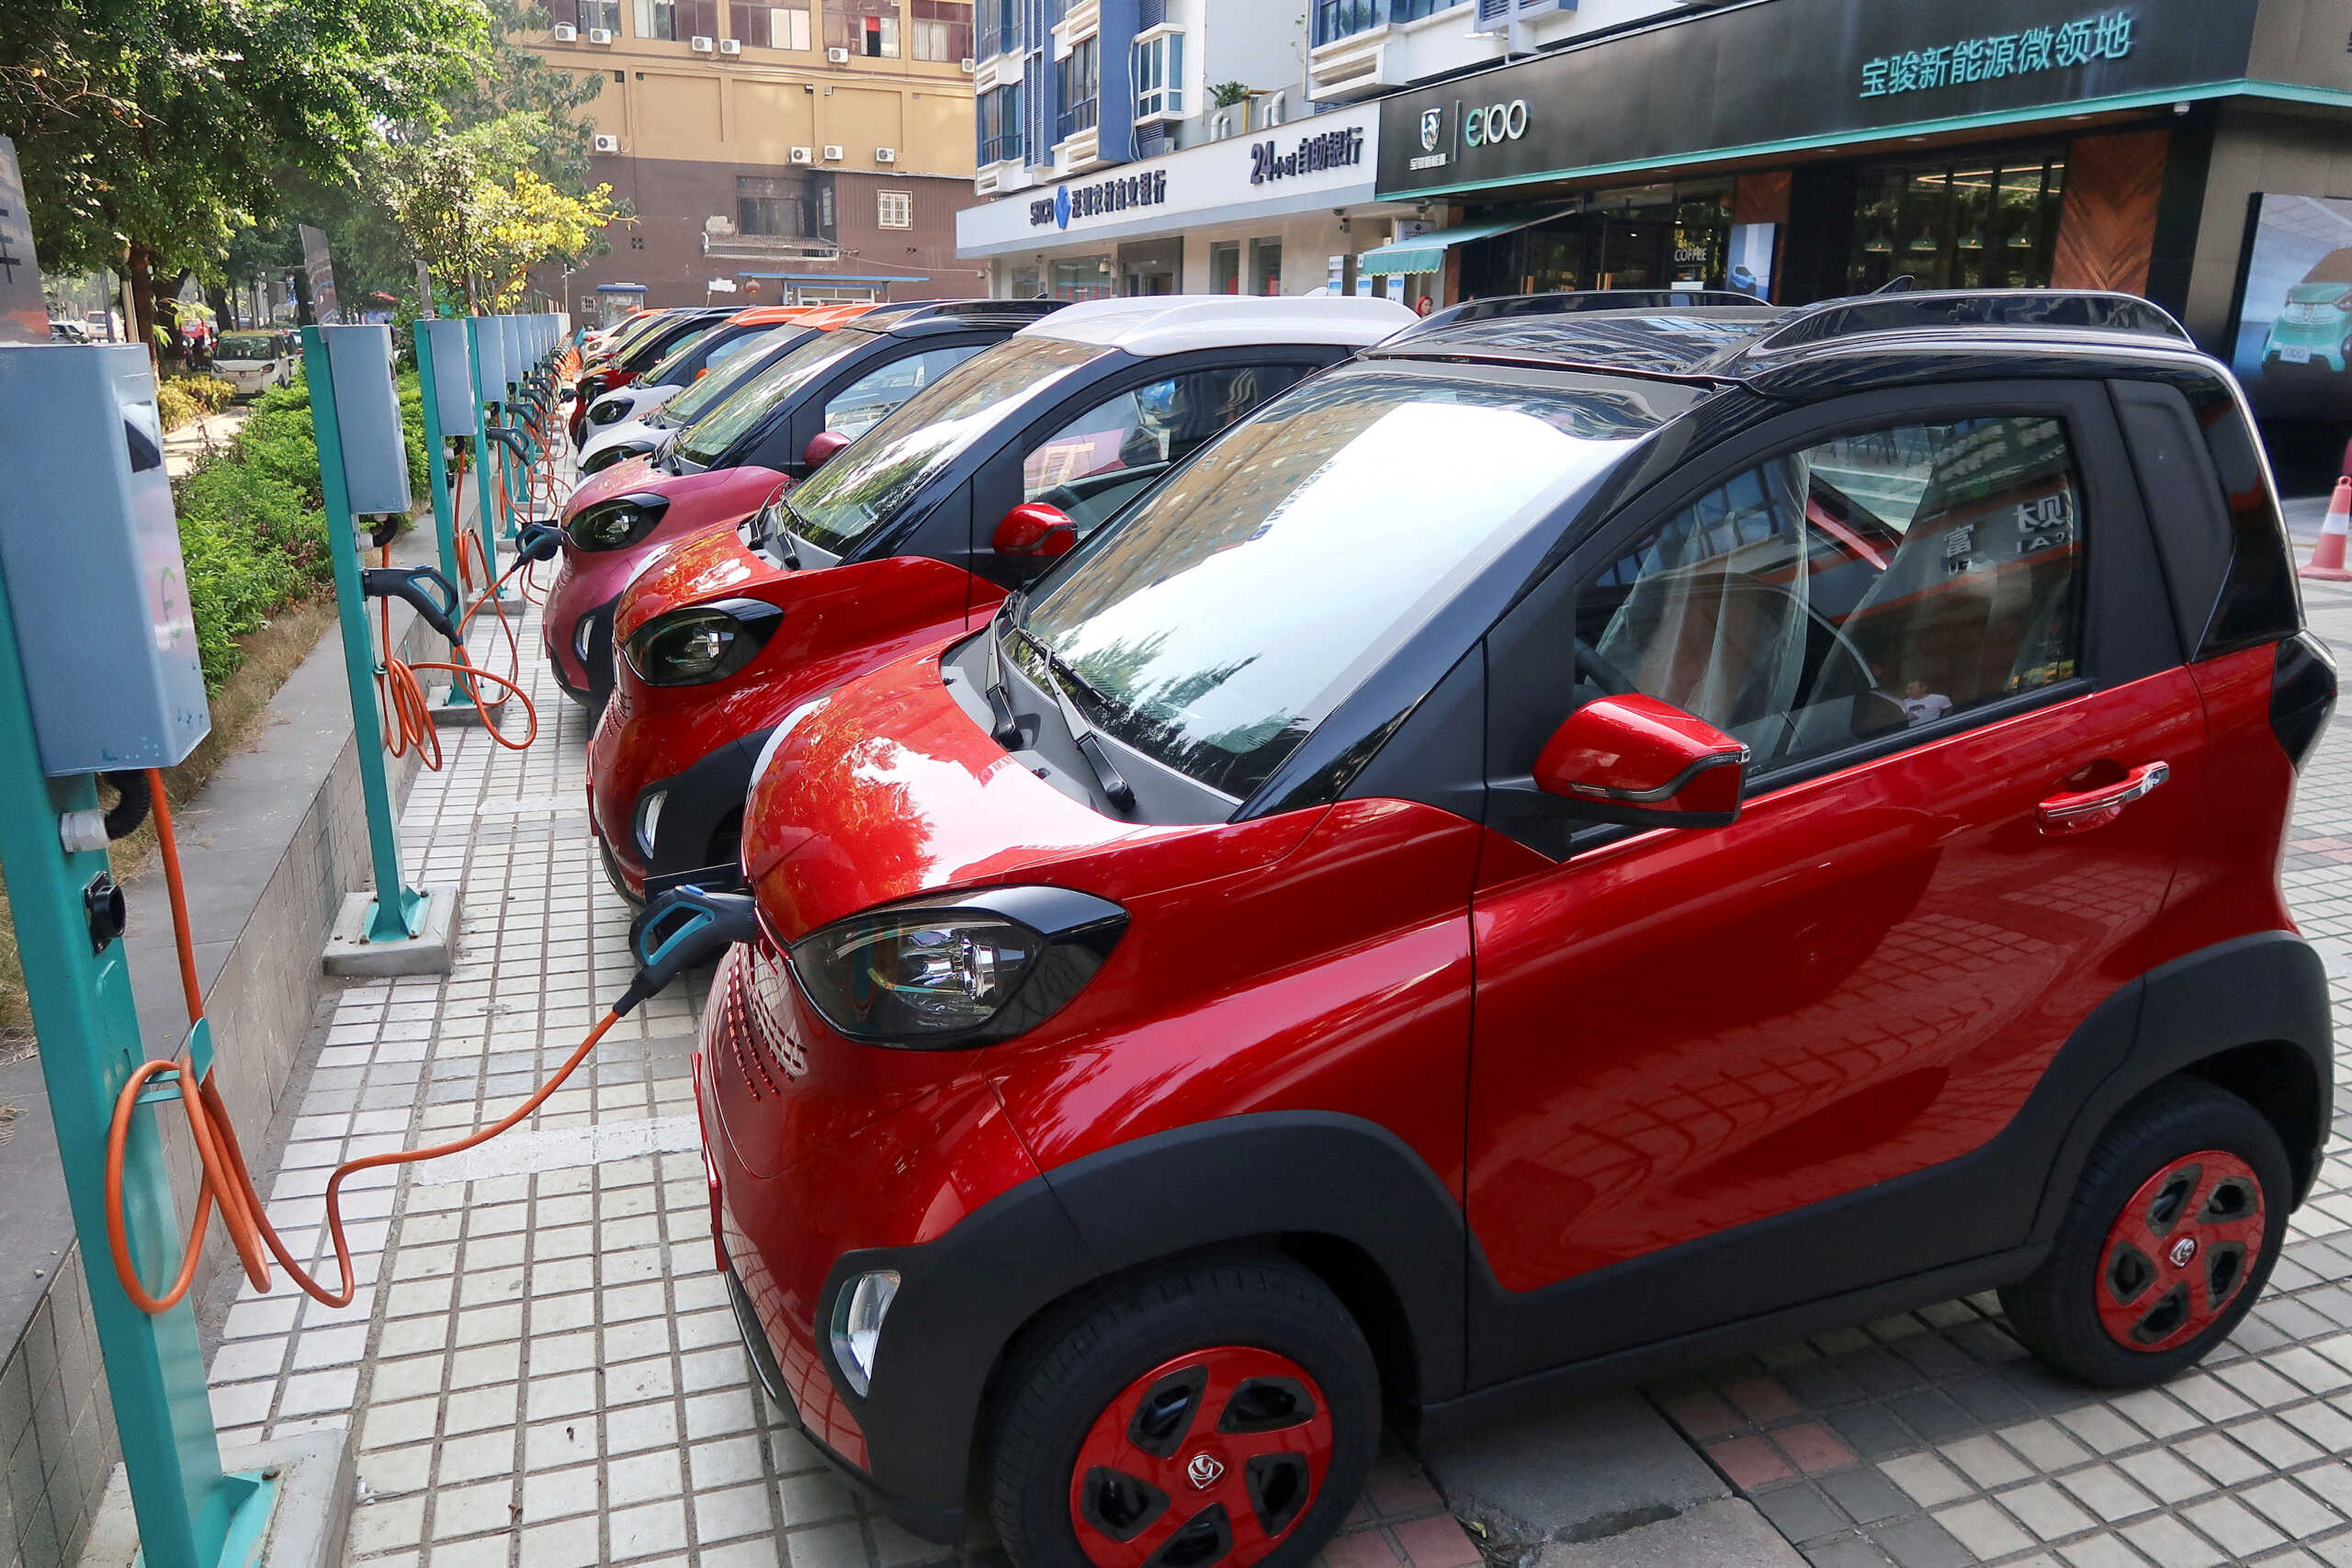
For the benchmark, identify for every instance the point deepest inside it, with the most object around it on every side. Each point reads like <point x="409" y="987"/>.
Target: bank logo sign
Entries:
<point x="2108" y="36"/>
<point x="1122" y="193"/>
<point x="1432" y="127"/>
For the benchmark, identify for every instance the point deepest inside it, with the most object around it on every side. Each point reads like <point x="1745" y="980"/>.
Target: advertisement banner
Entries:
<point x="1751" y="258"/>
<point x="2294" y="337"/>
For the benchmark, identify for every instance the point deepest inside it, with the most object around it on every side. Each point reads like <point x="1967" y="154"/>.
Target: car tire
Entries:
<point x="2168" y="1240"/>
<point x="1258" y="1341"/>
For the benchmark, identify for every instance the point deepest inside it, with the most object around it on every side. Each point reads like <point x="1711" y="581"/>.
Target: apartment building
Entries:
<point x="1217" y="146"/>
<point x="776" y="151"/>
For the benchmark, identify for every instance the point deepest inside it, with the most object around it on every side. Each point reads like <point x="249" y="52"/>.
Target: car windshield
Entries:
<point x="707" y="439"/>
<point x="670" y="368"/>
<point x="1226" y="615"/>
<point x="726" y="374"/>
<point x="652" y="353"/>
<point x="849" y="497"/>
<point x="246" y="345"/>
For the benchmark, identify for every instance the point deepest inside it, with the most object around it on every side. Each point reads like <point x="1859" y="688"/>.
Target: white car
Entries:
<point x="646" y="425"/>
<point x="254" y="362"/>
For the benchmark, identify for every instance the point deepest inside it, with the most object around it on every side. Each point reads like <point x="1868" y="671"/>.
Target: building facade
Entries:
<point x="773" y="152"/>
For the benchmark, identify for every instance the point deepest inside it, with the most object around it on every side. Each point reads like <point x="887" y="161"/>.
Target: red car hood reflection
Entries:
<point x="714" y="564"/>
<point x="887" y="789"/>
<point x="712" y="495"/>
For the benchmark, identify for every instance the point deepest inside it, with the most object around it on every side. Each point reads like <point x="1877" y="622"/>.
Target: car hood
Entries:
<point x="2318" y="293"/>
<point x="704" y="566"/>
<point x="602" y="435"/>
<point x="715" y="495"/>
<point x="886" y="789"/>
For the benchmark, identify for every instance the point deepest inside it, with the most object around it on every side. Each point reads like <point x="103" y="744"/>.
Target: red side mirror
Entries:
<point x="1033" y="528"/>
<point x="823" y="445"/>
<point x="1635" y="759"/>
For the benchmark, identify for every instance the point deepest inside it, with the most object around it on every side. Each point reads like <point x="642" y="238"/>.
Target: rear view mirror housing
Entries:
<point x="1643" y="762"/>
<point x="821" y="447"/>
<point x="1033" y="528"/>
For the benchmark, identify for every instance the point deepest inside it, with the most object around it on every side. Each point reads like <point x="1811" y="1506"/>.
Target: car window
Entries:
<point x="1093" y="465"/>
<point x="858" y="407"/>
<point x="1853" y="589"/>
<point x="707" y="439"/>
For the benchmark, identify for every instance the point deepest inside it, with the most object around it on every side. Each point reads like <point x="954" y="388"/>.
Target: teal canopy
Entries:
<point x="1426" y="252"/>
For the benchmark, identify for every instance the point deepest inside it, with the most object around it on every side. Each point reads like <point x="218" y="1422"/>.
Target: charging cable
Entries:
<point x="680" y="930"/>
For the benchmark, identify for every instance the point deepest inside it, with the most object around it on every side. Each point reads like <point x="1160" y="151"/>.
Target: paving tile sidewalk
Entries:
<point x="540" y="1369"/>
<point x="1933" y="1440"/>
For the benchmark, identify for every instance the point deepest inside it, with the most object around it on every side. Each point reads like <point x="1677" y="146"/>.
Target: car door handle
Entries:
<point x="2097" y="807"/>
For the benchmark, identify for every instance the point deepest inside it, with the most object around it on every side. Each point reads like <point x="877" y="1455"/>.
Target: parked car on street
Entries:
<point x="254" y="362"/>
<point x="1565" y="847"/>
<point x="769" y="430"/>
<point x="631" y="355"/>
<point x="969" y="490"/>
<point x="687" y="365"/>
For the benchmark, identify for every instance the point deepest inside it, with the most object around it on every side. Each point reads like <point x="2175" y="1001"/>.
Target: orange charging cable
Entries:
<point x="409" y="717"/>
<point x="227" y="1183"/>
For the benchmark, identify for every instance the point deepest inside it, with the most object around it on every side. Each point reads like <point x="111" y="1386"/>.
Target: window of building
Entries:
<point x="1225" y="266"/>
<point x="1160" y="77"/>
<point x="698" y="18"/>
<point x="1876" y="583"/>
<point x="897" y="210"/>
<point x="604" y="14"/>
<point x="1078" y="78"/>
<point x="778" y="205"/>
<point x="867" y="28"/>
<point x="1000" y="122"/>
<point x="1266" y="267"/>
<point x="942" y="29"/>
<point x="768" y="27"/>
<point x="657" y="18"/>
<point x="1083" y="277"/>
<point x="1978" y="225"/>
<point x="1000" y="32"/>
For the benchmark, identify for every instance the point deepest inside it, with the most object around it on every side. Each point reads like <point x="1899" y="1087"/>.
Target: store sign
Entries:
<point x="1997" y="55"/>
<point x="1494" y="124"/>
<point x="1121" y="194"/>
<point x="1328" y="150"/>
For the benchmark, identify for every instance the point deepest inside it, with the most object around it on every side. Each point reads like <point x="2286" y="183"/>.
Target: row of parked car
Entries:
<point x="1314" y="867"/>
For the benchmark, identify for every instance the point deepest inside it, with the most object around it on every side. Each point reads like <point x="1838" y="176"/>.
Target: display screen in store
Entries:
<point x="2294" y="338"/>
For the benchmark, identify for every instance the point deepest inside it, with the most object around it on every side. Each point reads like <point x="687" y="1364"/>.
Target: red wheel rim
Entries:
<point x="2180" y="1251"/>
<point x="1212" y="1457"/>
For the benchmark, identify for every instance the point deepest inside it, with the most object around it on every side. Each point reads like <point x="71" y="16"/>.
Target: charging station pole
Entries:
<point x="114" y="683"/>
<point x="477" y="364"/>
<point x="436" y="459"/>
<point x="397" y="911"/>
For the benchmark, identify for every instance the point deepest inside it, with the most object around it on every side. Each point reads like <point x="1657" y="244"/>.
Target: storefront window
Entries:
<point x="1023" y="284"/>
<point x="1979" y="224"/>
<point x="1224" y="267"/>
<point x="1643" y="237"/>
<point x="1083" y="277"/>
<point x="1266" y="267"/>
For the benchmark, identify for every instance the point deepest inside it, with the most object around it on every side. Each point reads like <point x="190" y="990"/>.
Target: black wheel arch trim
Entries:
<point x="699" y="798"/>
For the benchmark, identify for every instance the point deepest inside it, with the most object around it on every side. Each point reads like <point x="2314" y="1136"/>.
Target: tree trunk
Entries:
<point x="303" y="317"/>
<point x="139" y="268"/>
<point x="223" y="314"/>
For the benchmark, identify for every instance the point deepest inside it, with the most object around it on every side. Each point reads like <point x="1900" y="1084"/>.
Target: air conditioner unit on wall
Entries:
<point x="967" y="63"/>
<point x="802" y="155"/>
<point x="886" y="155"/>
<point x="600" y="35"/>
<point x="701" y="45"/>
<point x="607" y="144"/>
<point x="731" y="46"/>
<point x="837" y="57"/>
<point x="566" y="33"/>
<point x="832" y="152"/>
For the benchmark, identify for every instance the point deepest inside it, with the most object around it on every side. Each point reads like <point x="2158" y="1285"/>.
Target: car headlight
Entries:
<point x="619" y="452"/>
<point x="703" y="642"/>
<point x="606" y="412"/>
<point x="858" y="1309"/>
<point x="612" y="524"/>
<point x="960" y="969"/>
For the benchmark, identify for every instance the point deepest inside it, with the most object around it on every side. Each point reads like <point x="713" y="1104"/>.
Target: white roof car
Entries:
<point x="1177" y="324"/>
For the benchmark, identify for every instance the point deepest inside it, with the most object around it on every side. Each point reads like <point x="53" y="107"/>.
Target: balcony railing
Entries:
<point x="1080" y="115"/>
<point x="1340" y="19"/>
<point x="1005" y="148"/>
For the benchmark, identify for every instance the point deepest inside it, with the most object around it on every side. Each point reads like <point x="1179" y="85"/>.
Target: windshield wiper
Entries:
<point x="1004" y="728"/>
<point x="1114" y="782"/>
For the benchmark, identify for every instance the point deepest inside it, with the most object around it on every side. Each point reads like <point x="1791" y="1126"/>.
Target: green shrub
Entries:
<point x="279" y="442"/>
<point x="175" y="407"/>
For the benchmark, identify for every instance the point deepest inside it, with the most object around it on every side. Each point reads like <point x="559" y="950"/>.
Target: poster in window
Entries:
<point x="2294" y="335"/>
<point x="1751" y="258"/>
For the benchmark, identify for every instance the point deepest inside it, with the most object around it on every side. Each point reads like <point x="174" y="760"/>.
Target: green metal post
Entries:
<point x="483" y="502"/>
<point x="189" y="1514"/>
<point x="397" y="910"/>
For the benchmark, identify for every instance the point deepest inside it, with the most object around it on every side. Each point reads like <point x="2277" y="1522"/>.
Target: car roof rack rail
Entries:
<point x="1578" y="300"/>
<point x="2075" y="310"/>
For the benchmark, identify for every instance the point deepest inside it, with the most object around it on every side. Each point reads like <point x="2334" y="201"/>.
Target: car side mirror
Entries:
<point x="1634" y="759"/>
<point x="821" y="446"/>
<point x="1033" y="528"/>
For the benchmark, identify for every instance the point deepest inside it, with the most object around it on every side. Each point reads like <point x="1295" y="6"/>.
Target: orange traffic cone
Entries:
<point x="2327" y="556"/>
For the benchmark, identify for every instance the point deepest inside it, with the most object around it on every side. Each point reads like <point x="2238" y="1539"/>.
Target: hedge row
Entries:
<point x="253" y="534"/>
<point x="183" y="399"/>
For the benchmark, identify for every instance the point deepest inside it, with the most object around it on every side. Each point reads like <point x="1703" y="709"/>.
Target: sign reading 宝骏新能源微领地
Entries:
<point x="2104" y="36"/>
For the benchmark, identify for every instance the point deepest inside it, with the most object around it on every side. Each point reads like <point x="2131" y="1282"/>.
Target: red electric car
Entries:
<point x="633" y="354"/>
<point x="1557" y="849"/>
<point x="968" y="490"/>
<point x="766" y="431"/>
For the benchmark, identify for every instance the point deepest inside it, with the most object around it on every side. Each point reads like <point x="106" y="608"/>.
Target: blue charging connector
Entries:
<point x="681" y="929"/>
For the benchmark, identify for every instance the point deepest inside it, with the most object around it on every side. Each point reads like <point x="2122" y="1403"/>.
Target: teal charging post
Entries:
<point x="445" y="381"/>
<point x="396" y="912"/>
<point x="484" y="350"/>
<point x="97" y="671"/>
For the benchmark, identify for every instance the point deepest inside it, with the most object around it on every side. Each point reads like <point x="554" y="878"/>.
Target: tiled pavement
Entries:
<point x="1933" y="1440"/>
<point x="540" y="1369"/>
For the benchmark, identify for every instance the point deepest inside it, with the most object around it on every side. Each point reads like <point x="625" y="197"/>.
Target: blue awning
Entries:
<point x="835" y="278"/>
<point x="1426" y="252"/>
<point x="620" y="288"/>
